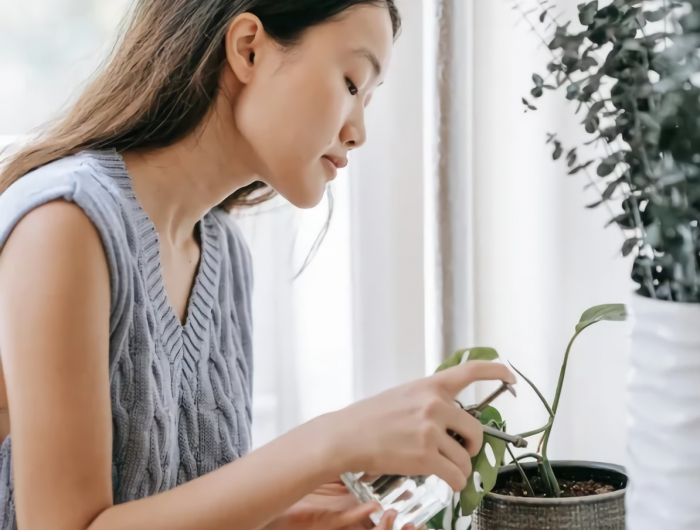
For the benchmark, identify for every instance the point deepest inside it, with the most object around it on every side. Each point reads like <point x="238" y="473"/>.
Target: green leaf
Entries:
<point x="482" y="354"/>
<point x="655" y="16"/>
<point x="605" y="169"/>
<point x="491" y="417"/>
<point x="629" y="245"/>
<point x="579" y="168"/>
<point x="537" y="79"/>
<point x="436" y="522"/>
<point x="600" y="313"/>
<point x="558" y="151"/>
<point x="474" y="354"/>
<point x="610" y="190"/>
<point x="587" y="13"/>
<point x="573" y="91"/>
<point x="633" y="45"/>
<point x="453" y="360"/>
<point x="483" y="470"/>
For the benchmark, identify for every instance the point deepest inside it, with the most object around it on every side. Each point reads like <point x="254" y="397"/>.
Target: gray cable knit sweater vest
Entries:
<point x="181" y="395"/>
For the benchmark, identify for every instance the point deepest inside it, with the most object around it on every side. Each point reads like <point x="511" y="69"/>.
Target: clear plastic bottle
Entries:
<point x="416" y="499"/>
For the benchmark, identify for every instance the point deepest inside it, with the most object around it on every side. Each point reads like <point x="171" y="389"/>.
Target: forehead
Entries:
<point x="363" y="28"/>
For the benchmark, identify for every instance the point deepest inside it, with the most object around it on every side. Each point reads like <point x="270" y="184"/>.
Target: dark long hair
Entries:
<point x="163" y="78"/>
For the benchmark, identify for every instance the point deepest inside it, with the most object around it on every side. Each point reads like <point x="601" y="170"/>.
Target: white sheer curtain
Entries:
<point x="541" y="257"/>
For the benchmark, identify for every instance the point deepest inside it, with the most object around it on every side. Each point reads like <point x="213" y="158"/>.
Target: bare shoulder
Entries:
<point x="54" y="220"/>
<point x="52" y="260"/>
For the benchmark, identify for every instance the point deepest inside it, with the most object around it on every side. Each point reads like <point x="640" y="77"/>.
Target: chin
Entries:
<point x="306" y="192"/>
<point x="307" y="201"/>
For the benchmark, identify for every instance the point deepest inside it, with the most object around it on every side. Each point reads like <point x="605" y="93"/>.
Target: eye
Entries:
<point x="351" y="87"/>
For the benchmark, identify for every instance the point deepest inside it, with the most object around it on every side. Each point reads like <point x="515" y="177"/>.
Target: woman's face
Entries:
<point x="301" y="110"/>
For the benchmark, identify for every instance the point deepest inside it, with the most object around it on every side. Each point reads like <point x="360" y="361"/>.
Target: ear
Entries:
<point x="244" y="44"/>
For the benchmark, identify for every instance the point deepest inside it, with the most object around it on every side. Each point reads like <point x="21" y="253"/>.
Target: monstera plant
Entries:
<point x="543" y="483"/>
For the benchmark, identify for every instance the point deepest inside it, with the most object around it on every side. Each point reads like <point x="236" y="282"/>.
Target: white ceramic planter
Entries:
<point x="664" y="417"/>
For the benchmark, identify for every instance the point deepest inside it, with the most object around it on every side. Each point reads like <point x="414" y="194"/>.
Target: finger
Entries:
<point x="455" y="453"/>
<point x="454" y="380"/>
<point x="357" y="515"/>
<point x="387" y="522"/>
<point x="468" y="427"/>
<point x="449" y="472"/>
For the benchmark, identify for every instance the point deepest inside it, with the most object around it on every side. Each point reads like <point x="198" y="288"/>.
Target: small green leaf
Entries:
<point x="453" y="360"/>
<point x="482" y="354"/>
<point x="629" y="245"/>
<point x="474" y="354"/>
<point x="633" y="45"/>
<point x="600" y="313"/>
<point x="490" y="416"/>
<point x="655" y="16"/>
<point x="579" y="168"/>
<point x="436" y="522"/>
<point x="558" y="151"/>
<point x="605" y="169"/>
<point x="587" y="13"/>
<point x="573" y="91"/>
<point x="610" y="190"/>
<point x="484" y="472"/>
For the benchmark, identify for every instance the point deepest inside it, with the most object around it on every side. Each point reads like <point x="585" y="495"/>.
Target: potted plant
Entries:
<point x="541" y="494"/>
<point x="631" y="69"/>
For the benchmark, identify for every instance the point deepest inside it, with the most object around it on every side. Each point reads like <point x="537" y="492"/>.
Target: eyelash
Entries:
<point x="351" y="87"/>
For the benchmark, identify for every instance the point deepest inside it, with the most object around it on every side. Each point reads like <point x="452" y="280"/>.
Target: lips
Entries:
<point x="337" y="161"/>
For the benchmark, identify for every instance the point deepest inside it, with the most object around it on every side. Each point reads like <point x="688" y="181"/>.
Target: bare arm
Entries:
<point x="54" y="333"/>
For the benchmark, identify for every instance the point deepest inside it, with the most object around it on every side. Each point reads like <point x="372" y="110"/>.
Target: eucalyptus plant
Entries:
<point x="492" y="454"/>
<point x="632" y="67"/>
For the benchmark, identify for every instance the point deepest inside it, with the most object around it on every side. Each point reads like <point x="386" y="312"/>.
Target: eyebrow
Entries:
<point x="364" y="52"/>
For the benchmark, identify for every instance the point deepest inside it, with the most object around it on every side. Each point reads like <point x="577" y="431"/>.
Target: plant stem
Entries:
<point x="537" y="431"/>
<point x="562" y="374"/>
<point x="532" y="385"/>
<point x="535" y="456"/>
<point x="557" y="396"/>
<point x="551" y="479"/>
<point x="544" y="402"/>
<point x="530" y="491"/>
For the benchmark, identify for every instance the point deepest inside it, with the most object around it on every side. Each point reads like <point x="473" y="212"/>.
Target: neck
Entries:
<point x="179" y="184"/>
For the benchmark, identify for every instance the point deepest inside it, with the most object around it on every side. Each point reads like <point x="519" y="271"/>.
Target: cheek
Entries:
<point x="291" y="120"/>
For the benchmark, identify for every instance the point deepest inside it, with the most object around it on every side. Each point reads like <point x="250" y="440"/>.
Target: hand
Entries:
<point x="404" y="430"/>
<point x="331" y="507"/>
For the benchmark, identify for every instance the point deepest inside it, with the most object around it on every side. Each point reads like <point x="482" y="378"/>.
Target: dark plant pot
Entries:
<point x="596" y="512"/>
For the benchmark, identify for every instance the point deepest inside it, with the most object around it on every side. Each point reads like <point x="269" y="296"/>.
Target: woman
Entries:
<point x="125" y="290"/>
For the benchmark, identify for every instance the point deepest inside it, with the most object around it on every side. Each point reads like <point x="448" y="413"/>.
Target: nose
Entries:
<point x="354" y="134"/>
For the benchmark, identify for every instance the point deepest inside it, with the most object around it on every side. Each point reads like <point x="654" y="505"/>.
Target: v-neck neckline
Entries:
<point x="177" y="339"/>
